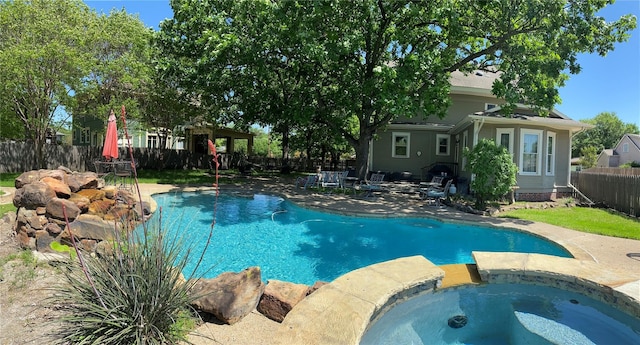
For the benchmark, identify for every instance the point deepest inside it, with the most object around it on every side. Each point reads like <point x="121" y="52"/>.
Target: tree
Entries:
<point x="58" y="58"/>
<point x="494" y="172"/>
<point x="44" y="54"/>
<point x="608" y="130"/>
<point x="589" y="156"/>
<point x="373" y="61"/>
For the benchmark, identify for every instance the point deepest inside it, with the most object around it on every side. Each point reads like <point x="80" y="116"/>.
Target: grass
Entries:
<point x="591" y="220"/>
<point x="8" y="179"/>
<point x="22" y="270"/>
<point x="4" y="208"/>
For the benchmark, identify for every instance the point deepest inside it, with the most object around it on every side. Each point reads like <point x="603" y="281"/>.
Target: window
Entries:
<point x="442" y="144"/>
<point x="152" y="141"/>
<point x="85" y="136"/>
<point x="400" y="143"/>
<point x="488" y="106"/>
<point x="530" y="151"/>
<point x="625" y="147"/>
<point x="551" y="153"/>
<point x="504" y="137"/>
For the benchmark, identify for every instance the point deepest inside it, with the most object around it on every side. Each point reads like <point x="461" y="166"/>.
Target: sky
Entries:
<point x="605" y="84"/>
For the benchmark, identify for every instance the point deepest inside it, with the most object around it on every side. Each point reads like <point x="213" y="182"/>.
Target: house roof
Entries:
<point x="524" y="116"/>
<point x="477" y="83"/>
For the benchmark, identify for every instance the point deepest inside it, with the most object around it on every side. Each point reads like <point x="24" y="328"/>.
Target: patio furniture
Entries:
<point x="123" y="172"/>
<point x="436" y="194"/>
<point x="374" y="184"/>
<point x="104" y="170"/>
<point x="331" y="179"/>
<point x="307" y="181"/>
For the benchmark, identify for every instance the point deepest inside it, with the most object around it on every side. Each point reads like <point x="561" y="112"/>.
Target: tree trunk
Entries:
<point x="362" y="157"/>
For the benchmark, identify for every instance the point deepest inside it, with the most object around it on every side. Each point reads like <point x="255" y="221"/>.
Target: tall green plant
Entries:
<point x="134" y="292"/>
<point x="137" y="295"/>
<point x="494" y="172"/>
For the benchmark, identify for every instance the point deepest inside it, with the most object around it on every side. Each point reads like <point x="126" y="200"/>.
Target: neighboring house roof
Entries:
<point x="634" y="138"/>
<point x="608" y="152"/>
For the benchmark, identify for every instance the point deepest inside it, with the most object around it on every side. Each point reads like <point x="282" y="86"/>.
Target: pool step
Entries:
<point x="551" y="331"/>
<point x="460" y="274"/>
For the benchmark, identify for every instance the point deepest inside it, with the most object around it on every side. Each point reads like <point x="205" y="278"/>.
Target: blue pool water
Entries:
<point x="299" y="245"/>
<point x="504" y="314"/>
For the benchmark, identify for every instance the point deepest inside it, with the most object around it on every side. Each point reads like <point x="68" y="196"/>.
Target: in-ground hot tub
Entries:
<point x="514" y="314"/>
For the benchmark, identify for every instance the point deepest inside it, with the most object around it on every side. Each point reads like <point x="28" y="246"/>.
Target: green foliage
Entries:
<point x="493" y="169"/>
<point x="59" y="53"/>
<point x="589" y="157"/>
<point x="353" y="67"/>
<point x="140" y="296"/>
<point x="63" y="248"/>
<point x="633" y="164"/>
<point x="608" y="130"/>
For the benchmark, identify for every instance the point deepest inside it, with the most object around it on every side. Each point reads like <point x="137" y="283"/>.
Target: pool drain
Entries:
<point x="574" y="301"/>
<point x="457" y="321"/>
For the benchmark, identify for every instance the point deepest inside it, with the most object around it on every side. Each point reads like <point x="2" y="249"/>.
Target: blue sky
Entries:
<point x="606" y="84"/>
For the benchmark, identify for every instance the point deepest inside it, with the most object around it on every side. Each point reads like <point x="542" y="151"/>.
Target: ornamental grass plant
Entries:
<point x="132" y="291"/>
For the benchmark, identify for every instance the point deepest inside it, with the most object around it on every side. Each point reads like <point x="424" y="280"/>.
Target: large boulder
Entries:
<point x="62" y="189"/>
<point x="280" y="297"/>
<point x="83" y="180"/>
<point x="56" y="209"/>
<point x="91" y="227"/>
<point x="26" y="178"/>
<point x="230" y="296"/>
<point x="33" y="195"/>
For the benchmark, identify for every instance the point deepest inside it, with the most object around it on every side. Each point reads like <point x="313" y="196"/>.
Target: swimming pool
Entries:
<point x="514" y="314"/>
<point x="299" y="245"/>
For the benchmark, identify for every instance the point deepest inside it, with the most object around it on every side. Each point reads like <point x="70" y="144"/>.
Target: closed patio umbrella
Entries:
<point x="110" y="149"/>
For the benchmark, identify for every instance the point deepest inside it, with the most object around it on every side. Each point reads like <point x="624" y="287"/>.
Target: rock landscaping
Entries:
<point x="95" y="212"/>
<point x="47" y="199"/>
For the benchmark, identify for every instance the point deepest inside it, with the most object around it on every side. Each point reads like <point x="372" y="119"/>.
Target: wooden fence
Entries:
<point x="618" y="189"/>
<point x="20" y="157"/>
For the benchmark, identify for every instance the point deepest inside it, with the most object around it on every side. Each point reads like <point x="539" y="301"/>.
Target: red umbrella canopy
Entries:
<point x="110" y="149"/>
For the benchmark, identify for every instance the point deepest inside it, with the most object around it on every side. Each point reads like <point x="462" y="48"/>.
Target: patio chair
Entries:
<point x="104" y="170"/>
<point x="123" y="172"/>
<point x="330" y="179"/>
<point x="374" y="184"/>
<point x="436" y="194"/>
<point x="307" y="181"/>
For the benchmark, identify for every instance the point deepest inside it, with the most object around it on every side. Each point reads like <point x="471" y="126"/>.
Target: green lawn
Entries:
<point x="6" y="208"/>
<point x="8" y="179"/>
<point x="591" y="220"/>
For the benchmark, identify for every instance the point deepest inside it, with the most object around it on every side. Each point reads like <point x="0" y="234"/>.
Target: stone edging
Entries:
<point x="341" y="311"/>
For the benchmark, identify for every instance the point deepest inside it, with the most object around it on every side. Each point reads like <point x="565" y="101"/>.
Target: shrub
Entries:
<point x="493" y="169"/>
<point x="134" y="294"/>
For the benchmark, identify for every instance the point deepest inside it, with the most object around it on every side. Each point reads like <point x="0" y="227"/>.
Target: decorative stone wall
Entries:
<point x="94" y="211"/>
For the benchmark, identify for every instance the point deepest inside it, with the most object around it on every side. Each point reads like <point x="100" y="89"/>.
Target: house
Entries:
<point x="626" y="151"/>
<point x="540" y="145"/>
<point x="90" y="131"/>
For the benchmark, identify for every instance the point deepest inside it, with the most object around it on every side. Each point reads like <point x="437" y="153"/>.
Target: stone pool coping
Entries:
<point x="340" y="312"/>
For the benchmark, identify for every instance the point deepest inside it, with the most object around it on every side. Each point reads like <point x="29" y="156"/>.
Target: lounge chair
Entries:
<point x="374" y="184"/>
<point x="307" y="181"/>
<point x="435" y="193"/>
